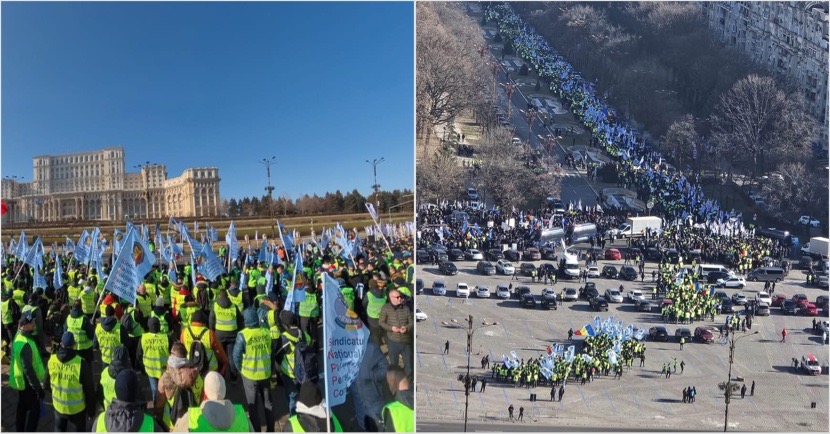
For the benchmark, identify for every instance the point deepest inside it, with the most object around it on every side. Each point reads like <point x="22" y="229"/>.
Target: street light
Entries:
<point x="509" y="88"/>
<point x="376" y="186"/>
<point x="470" y="332"/>
<point x="267" y="162"/>
<point x="729" y="386"/>
<point x="530" y="116"/>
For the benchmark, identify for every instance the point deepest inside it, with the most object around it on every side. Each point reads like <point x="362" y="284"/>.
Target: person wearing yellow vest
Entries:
<point x="73" y="393"/>
<point x="284" y="358"/>
<point x="26" y="375"/>
<point x="309" y="310"/>
<point x="215" y="413"/>
<point x="33" y="307"/>
<point x="372" y="304"/>
<point x="106" y="386"/>
<point x="10" y="312"/>
<point x="179" y="388"/>
<point x="199" y="330"/>
<point x="400" y="284"/>
<point x="126" y="412"/>
<point x="225" y="320"/>
<point x="153" y="352"/>
<point x="74" y="289"/>
<point x="144" y="302"/>
<point x="81" y="327"/>
<point x="399" y="415"/>
<point x="252" y="359"/>
<point x="109" y="334"/>
<point x="88" y="299"/>
<point x="311" y="415"/>
<point x="166" y="323"/>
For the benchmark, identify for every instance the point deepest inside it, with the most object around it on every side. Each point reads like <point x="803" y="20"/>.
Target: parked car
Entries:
<point x="441" y="254"/>
<point x="422" y="256"/>
<point x="672" y="255"/>
<point x="653" y="254"/>
<point x="739" y="298"/>
<point x="628" y="272"/>
<point x="761" y="309"/>
<point x="726" y="305"/>
<point x="447" y="268"/>
<point x="505" y="267"/>
<point x="809" y="309"/>
<point x="683" y="332"/>
<point x="419" y="286"/>
<point x="732" y="282"/>
<point x="495" y="254"/>
<point x="609" y="271"/>
<point x="526" y="268"/>
<point x="821" y="301"/>
<point x="547" y="268"/>
<point x="462" y="290"/>
<point x="473" y="255"/>
<point x="455" y="255"/>
<point x="612" y="255"/>
<point x="570" y="294"/>
<point x="526" y="297"/>
<point x="633" y="295"/>
<point x="705" y="334"/>
<point x="439" y="288"/>
<point x="420" y="315"/>
<point x="763" y="297"/>
<point x="548" y="253"/>
<point x="806" y="220"/>
<point x="472" y="194"/>
<point x="658" y="333"/>
<point x="511" y="255"/>
<point x="613" y="295"/>
<point x="502" y="291"/>
<point x="593" y="271"/>
<point x="800" y="299"/>
<point x="482" y="291"/>
<point x="643" y="305"/>
<point x="810" y="365"/>
<point x="532" y="254"/>
<point x="548" y="300"/>
<point x="778" y="299"/>
<point x="558" y="206"/>
<point x="714" y="276"/>
<point x="598" y="303"/>
<point x="788" y="307"/>
<point x="588" y="291"/>
<point x="485" y="268"/>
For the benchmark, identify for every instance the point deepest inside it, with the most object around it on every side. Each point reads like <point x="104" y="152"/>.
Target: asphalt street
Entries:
<point x="647" y="400"/>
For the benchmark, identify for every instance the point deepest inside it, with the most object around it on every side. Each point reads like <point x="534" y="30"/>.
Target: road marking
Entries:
<point x="610" y="400"/>
<point x="505" y="328"/>
<point x="453" y="394"/>
<point x="445" y="361"/>
<point x="529" y="333"/>
<point x="505" y="395"/>
<point x="418" y="355"/>
<point x="637" y="401"/>
<point x="550" y="328"/>
<point x="584" y="400"/>
<point x="426" y="391"/>
<point x="660" y="400"/>
<point x="435" y="326"/>
<point x="483" y="407"/>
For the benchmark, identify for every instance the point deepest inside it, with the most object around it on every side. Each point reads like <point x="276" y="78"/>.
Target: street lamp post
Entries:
<point x="145" y="171"/>
<point x="470" y="330"/>
<point x="376" y="186"/>
<point x="729" y="386"/>
<point x="509" y="89"/>
<point x="530" y="116"/>
<point x="267" y="162"/>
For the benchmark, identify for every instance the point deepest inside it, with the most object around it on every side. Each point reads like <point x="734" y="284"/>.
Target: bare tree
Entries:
<point x="759" y="119"/>
<point x="681" y="142"/>
<point x="793" y="190"/>
<point x="439" y="176"/>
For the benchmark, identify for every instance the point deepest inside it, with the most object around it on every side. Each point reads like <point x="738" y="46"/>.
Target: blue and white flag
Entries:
<point x="69" y="246"/>
<point x="31" y="259"/>
<point x="134" y="261"/>
<point x="233" y="243"/>
<point x="39" y="278"/>
<point x="57" y="277"/>
<point x="210" y="266"/>
<point x="22" y="246"/>
<point x="297" y="292"/>
<point x="287" y="240"/>
<point x="372" y="211"/>
<point x="81" y="254"/>
<point x="345" y="342"/>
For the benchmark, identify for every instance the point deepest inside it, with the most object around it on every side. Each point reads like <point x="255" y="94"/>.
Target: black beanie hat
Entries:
<point x="310" y="395"/>
<point x="127" y="388"/>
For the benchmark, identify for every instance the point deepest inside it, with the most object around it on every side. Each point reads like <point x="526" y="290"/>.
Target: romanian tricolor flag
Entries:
<point x="585" y="331"/>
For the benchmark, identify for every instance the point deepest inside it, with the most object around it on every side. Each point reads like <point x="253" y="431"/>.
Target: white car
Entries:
<point x="570" y="294"/>
<point x="462" y="290"/>
<point x="806" y="249"/>
<point x="502" y="291"/>
<point x="739" y="298"/>
<point x="516" y="141"/>
<point x="732" y="282"/>
<point x="482" y="291"/>
<point x="593" y="271"/>
<point x="634" y="294"/>
<point x="439" y="287"/>
<point x="420" y="315"/>
<point x="473" y="255"/>
<point x="763" y="297"/>
<point x="505" y="267"/>
<point x="613" y="295"/>
<point x="806" y="220"/>
<point x="472" y="194"/>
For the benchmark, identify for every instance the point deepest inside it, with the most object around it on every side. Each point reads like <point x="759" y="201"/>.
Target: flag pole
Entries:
<point x="325" y="352"/>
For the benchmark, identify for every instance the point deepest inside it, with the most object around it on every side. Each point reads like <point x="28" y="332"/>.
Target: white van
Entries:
<point x="705" y="269"/>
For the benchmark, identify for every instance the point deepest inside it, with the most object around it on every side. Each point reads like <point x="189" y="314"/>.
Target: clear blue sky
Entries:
<point x="321" y="86"/>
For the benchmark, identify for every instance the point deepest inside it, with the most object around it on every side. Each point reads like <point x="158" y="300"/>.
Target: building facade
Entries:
<point x="96" y="186"/>
<point x="788" y="37"/>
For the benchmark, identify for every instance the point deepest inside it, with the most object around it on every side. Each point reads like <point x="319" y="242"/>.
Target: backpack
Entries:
<point x="306" y="366"/>
<point x="198" y="355"/>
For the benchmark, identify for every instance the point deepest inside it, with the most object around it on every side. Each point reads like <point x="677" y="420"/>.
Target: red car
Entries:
<point x="778" y="299"/>
<point x="704" y="334"/>
<point x="612" y="254"/>
<point x="809" y="309"/>
<point x="800" y="300"/>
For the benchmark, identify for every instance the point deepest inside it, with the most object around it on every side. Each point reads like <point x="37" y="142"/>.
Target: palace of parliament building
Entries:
<point x="95" y="186"/>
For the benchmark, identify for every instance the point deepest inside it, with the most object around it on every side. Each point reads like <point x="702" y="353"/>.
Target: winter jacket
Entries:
<point x="124" y="416"/>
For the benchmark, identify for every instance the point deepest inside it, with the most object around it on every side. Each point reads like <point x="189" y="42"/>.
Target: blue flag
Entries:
<point x="39" y="279"/>
<point x="210" y="267"/>
<point x="287" y="240"/>
<point x="57" y="278"/>
<point x="134" y="261"/>
<point x="345" y="342"/>
<point x="22" y="246"/>
<point x="233" y="243"/>
<point x="31" y="259"/>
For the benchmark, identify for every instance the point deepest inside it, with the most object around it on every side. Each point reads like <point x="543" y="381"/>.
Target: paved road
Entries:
<point x="643" y="392"/>
<point x="526" y="426"/>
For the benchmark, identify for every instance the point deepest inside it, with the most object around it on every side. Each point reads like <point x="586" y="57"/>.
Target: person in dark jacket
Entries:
<point x="126" y="413"/>
<point x="311" y="412"/>
<point x="290" y="335"/>
<point x="397" y="320"/>
<point x="108" y="323"/>
<point x="369" y="390"/>
<point x="106" y="387"/>
<point x="26" y="374"/>
<point x="399" y="421"/>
